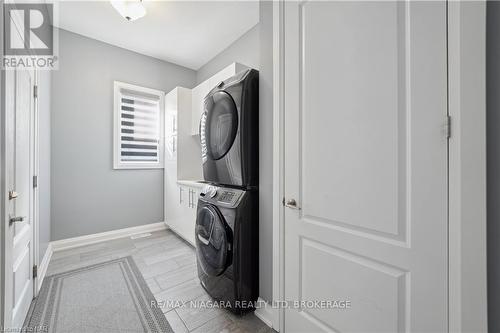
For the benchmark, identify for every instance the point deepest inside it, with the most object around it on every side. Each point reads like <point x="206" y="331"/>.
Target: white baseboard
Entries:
<point x="70" y="243"/>
<point x="267" y="314"/>
<point x="182" y="235"/>
<point x="44" y="264"/>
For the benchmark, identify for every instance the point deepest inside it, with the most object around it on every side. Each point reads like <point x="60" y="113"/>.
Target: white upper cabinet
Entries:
<point x="200" y="92"/>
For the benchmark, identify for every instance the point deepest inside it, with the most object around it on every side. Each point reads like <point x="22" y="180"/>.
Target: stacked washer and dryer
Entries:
<point x="227" y="219"/>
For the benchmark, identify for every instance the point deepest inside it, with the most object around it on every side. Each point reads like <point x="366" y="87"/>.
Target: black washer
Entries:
<point x="213" y="241"/>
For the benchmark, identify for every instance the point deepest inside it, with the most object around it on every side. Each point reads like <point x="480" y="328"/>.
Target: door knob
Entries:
<point x="15" y="219"/>
<point x="13" y="195"/>
<point x="291" y="204"/>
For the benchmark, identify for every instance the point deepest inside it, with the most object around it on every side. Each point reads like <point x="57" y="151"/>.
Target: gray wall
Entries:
<point x="245" y="50"/>
<point x="493" y="161"/>
<point x="44" y="112"/>
<point x="88" y="196"/>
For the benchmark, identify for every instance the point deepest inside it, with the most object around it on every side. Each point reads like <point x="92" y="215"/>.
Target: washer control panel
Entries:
<point x="212" y="192"/>
<point x="227" y="196"/>
<point x="219" y="195"/>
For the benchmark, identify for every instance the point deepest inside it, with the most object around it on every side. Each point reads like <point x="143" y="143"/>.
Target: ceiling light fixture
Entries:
<point x="130" y="10"/>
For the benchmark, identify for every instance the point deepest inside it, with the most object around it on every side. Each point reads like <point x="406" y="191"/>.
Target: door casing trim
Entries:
<point x="35" y="154"/>
<point x="467" y="181"/>
<point x="278" y="290"/>
<point x="3" y="189"/>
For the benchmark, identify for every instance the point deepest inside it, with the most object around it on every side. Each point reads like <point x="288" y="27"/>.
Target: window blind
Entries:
<point x="139" y="127"/>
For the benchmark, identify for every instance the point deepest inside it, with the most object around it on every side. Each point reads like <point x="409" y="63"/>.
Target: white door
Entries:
<point x="366" y="162"/>
<point x="20" y="159"/>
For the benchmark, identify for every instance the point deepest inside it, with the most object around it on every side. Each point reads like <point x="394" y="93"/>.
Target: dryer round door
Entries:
<point x="220" y="125"/>
<point x="213" y="241"/>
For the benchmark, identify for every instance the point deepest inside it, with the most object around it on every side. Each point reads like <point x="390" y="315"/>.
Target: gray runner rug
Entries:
<point x="108" y="297"/>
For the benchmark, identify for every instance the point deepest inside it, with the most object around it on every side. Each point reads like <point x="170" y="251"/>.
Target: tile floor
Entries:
<point x="168" y="265"/>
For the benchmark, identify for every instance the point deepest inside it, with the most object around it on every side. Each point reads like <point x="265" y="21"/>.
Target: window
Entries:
<point x="138" y="127"/>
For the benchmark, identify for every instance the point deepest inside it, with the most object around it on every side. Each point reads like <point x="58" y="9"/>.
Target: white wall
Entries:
<point x="88" y="196"/>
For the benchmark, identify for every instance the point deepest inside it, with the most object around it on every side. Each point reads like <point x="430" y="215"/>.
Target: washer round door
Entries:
<point x="220" y="126"/>
<point x="213" y="241"/>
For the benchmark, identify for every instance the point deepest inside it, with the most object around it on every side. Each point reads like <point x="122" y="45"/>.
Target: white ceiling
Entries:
<point x="187" y="33"/>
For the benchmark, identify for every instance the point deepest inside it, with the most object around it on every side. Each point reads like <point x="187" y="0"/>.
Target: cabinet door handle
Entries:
<point x="15" y="219"/>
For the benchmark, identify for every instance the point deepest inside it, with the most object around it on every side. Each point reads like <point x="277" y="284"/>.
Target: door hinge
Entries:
<point x="448" y="127"/>
<point x="35" y="91"/>
<point x="283" y="201"/>
<point x="35" y="271"/>
<point x="35" y="181"/>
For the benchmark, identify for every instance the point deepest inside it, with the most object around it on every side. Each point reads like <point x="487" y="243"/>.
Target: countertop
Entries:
<point x="191" y="183"/>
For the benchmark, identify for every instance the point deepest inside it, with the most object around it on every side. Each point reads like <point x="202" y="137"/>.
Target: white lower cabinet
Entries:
<point x="183" y="219"/>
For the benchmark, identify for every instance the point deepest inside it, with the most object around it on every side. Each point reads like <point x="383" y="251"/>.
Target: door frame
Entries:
<point x="6" y="149"/>
<point x="467" y="181"/>
<point x="5" y="131"/>
<point x="467" y="289"/>
<point x="3" y="174"/>
<point x="35" y="171"/>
